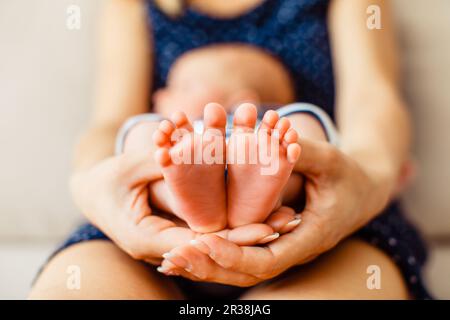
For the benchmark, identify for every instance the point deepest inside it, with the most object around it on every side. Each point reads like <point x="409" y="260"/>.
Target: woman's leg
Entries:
<point x="339" y="274"/>
<point x="104" y="271"/>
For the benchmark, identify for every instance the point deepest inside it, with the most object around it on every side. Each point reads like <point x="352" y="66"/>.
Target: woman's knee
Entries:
<point x="100" y="270"/>
<point x="346" y="272"/>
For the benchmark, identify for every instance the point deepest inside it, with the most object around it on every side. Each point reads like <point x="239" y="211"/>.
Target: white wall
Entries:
<point x="45" y="95"/>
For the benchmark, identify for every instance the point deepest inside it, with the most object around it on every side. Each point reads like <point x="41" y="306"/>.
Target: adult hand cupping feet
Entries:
<point x="341" y="197"/>
<point x="114" y="196"/>
<point x="193" y="165"/>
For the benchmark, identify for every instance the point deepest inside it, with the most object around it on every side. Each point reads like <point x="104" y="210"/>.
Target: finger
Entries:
<point x="302" y="243"/>
<point x="284" y="220"/>
<point x="250" y="234"/>
<point x="169" y="269"/>
<point x="196" y="265"/>
<point x="138" y="205"/>
<point x="154" y="236"/>
<point x="138" y="167"/>
<point x="257" y="261"/>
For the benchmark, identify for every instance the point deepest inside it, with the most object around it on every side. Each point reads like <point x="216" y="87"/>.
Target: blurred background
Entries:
<point x="46" y="81"/>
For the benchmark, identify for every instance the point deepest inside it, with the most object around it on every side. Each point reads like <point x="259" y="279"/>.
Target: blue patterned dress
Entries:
<point x="295" y="32"/>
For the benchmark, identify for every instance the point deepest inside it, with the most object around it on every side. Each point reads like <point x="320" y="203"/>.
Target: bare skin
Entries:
<point x="375" y="135"/>
<point x="349" y="260"/>
<point x="99" y="262"/>
<point x="341" y="274"/>
<point x="229" y="74"/>
<point x="248" y="189"/>
<point x="196" y="190"/>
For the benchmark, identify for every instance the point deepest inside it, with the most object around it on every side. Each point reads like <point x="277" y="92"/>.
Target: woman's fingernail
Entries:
<point x="293" y="223"/>
<point x="178" y="261"/>
<point x="269" y="238"/>
<point x="162" y="269"/>
<point x="298" y="216"/>
<point x="167" y="255"/>
<point x="201" y="246"/>
<point x="172" y="273"/>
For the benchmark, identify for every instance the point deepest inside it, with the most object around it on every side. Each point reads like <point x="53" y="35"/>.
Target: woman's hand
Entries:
<point x="341" y="197"/>
<point x="114" y="196"/>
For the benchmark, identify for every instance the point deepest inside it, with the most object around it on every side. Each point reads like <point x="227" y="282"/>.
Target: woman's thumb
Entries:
<point x="139" y="167"/>
<point x="316" y="157"/>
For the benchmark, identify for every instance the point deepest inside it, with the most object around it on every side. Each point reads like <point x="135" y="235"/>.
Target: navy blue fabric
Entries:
<point x="294" y="31"/>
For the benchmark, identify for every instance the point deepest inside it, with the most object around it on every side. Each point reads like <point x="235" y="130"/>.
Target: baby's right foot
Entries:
<point x="253" y="193"/>
<point x="197" y="191"/>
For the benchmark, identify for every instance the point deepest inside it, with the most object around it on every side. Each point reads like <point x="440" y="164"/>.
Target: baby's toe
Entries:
<point x="181" y="121"/>
<point x="293" y="152"/>
<point x="162" y="157"/>
<point x="291" y="136"/>
<point x="245" y="117"/>
<point x="269" y="120"/>
<point x="160" y="139"/>
<point x="215" y="116"/>
<point x="166" y="128"/>
<point x="282" y="127"/>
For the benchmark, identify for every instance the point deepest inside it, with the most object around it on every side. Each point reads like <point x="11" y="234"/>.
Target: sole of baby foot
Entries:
<point x="193" y="167"/>
<point x="255" y="186"/>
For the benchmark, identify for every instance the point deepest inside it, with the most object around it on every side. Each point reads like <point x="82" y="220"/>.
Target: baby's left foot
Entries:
<point x="197" y="190"/>
<point x="254" y="189"/>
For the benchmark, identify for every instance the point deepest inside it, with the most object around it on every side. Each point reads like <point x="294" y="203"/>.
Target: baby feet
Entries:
<point x="193" y="167"/>
<point x="259" y="165"/>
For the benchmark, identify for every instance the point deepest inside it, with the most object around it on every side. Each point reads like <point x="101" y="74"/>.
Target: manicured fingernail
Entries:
<point x="201" y="246"/>
<point x="293" y="223"/>
<point x="172" y="273"/>
<point x="162" y="269"/>
<point x="167" y="271"/>
<point x="298" y="216"/>
<point x="178" y="261"/>
<point x="167" y="255"/>
<point x="269" y="238"/>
